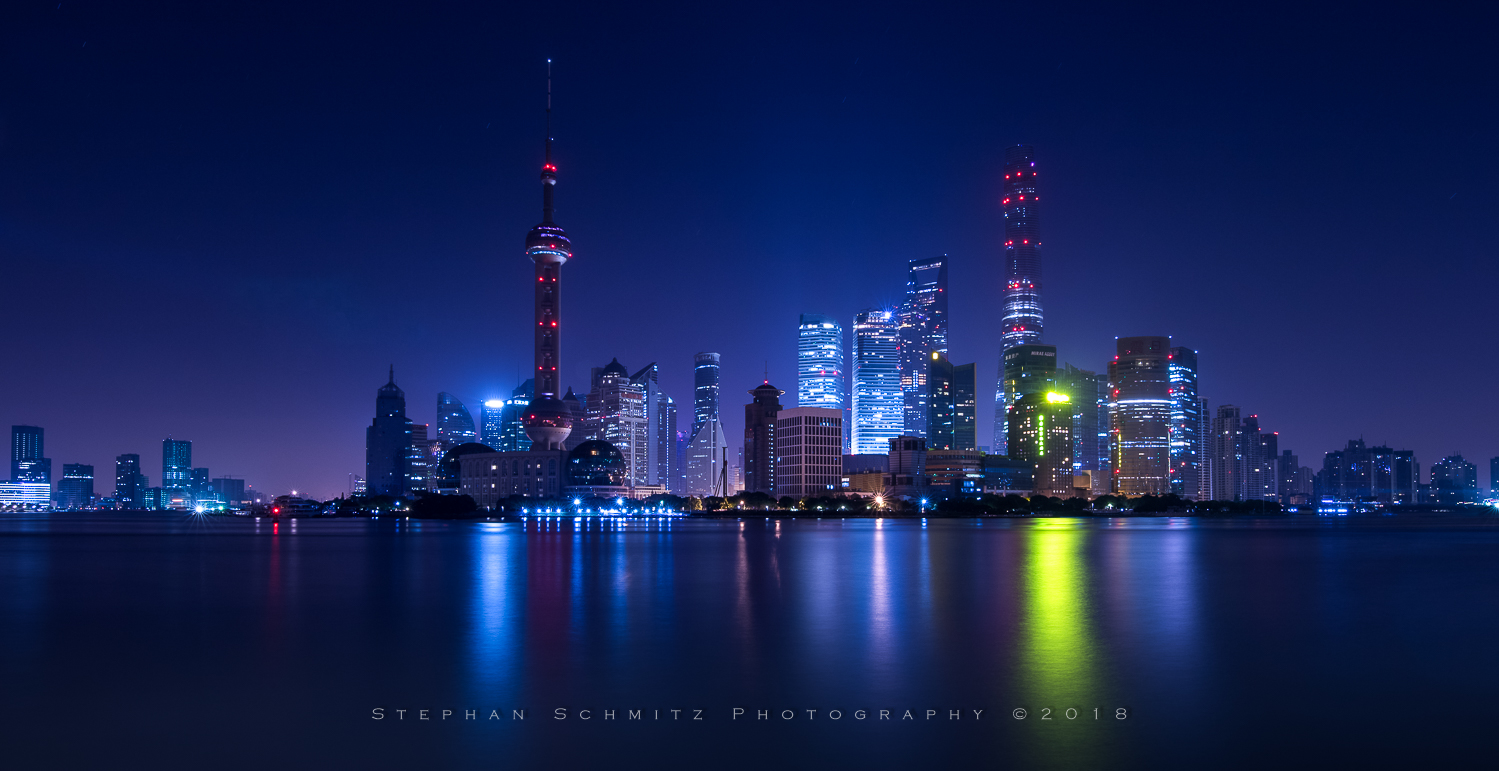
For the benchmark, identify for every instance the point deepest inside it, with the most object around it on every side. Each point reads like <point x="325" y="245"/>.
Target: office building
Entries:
<point x="1008" y="476"/>
<point x="455" y="425"/>
<point x="491" y="477"/>
<point x="704" y="390"/>
<point x="707" y="461"/>
<point x="941" y="403"/>
<point x="1030" y="368"/>
<point x="417" y="455"/>
<point x="76" y="488"/>
<point x="1186" y="422"/>
<point x="25" y="496"/>
<point x="808" y="451"/>
<point x="965" y="407"/>
<point x="922" y="331"/>
<point x="906" y="462"/>
<point x="760" y="438"/>
<point x="231" y="491"/>
<point x="660" y="427"/>
<point x="1140" y="416"/>
<point x="878" y="404"/>
<point x="1293" y="479"/>
<point x="26" y="451"/>
<point x="176" y="464"/>
<point x="130" y="483"/>
<point x="819" y="362"/>
<point x="954" y="473"/>
<point x="387" y="442"/>
<point x="1089" y="396"/>
<point x="617" y="413"/>
<point x="1040" y="428"/>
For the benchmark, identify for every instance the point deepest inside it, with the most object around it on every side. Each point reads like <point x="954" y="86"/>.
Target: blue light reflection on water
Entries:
<point x="1268" y="636"/>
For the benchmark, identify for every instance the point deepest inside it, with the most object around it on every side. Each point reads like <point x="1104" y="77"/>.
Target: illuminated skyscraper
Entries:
<point x="704" y="390"/>
<point x="1024" y="369"/>
<point x="1089" y="394"/>
<point x="1186" y="423"/>
<point x="923" y="330"/>
<point x="1140" y="416"/>
<point x="617" y="414"/>
<point x="26" y="461"/>
<point x="878" y="406"/>
<point x="661" y="427"/>
<point x="1040" y="428"/>
<point x="1021" y="321"/>
<point x="177" y="463"/>
<point x="819" y="362"/>
<point x="951" y="405"/>
<point x="76" y="488"/>
<point x="455" y="425"/>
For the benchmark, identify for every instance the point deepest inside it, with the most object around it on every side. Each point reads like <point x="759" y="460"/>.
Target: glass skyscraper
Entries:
<point x="387" y="442"/>
<point x="26" y="451"/>
<point x="878" y="405"/>
<point x="1140" y="416"/>
<point x="176" y="463"/>
<point x="1089" y="396"/>
<point x="923" y="331"/>
<point x="130" y="483"/>
<point x="704" y="390"/>
<point x="1024" y="369"/>
<point x="819" y="362"/>
<point x="455" y="425"/>
<point x="1186" y="423"/>
<point x="965" y="407"/>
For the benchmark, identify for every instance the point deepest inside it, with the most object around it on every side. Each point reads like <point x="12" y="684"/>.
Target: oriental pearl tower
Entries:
<point x="547" y="419"/>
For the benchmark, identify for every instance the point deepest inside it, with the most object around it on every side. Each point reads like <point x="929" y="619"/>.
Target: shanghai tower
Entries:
<point x="547" y="419"/>
<point x="1022" y="320"/>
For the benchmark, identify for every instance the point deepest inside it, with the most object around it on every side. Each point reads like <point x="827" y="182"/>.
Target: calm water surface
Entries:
<point x="176" y="642"/>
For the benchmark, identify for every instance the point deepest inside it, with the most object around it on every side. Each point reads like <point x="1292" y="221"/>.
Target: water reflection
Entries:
<point x="497" y="551"/>
<point x="1059" y="653"/>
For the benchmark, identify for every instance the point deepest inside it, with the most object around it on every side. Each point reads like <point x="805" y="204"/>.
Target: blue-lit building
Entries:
<point x="704" y="391"/>
<point x="26" y="450"/>
<point x="1140" y="416"/>
<point x="76" y="488"/>
<point x="1090" y="424"/>
<point x="1021" y="321"/>
<point x="878" y="403"/>
<point x="1186" y="425"/>
<point x="176" y="464"/>
<point x="130" y="483"/>
<point x="819" y="362"/>
<point x="923" y="331"/>
<point x="455" y="425"/>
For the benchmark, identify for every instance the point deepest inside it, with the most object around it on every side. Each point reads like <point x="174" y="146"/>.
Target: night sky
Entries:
<point x="223" y="221"/>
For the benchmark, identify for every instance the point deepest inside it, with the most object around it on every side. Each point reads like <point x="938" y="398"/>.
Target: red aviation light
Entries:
<point x="554" y="323"/>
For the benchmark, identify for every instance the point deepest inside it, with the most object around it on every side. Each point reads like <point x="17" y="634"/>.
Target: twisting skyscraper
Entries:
<point x="548" y="421"/>
<point x="1021" y="322"/>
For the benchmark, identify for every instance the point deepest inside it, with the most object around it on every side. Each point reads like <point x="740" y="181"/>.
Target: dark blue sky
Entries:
<point x="222" y="222"/>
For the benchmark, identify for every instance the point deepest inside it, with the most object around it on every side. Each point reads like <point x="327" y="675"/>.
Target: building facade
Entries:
<point x="76" y="488"/>
<point x="906" y="475"/>
<point x="809" y="451"/>
<point x="819" y="362"/>
<point x="1040" y="428"/>
<point x="27" y="464"/>
<point x="1028" y="368"/>
<point x="455" y="425"/>
<point x="1359" y="472"/>
<point x="1186" y="423"/>
<point x="1140" y="416"/>
<point x="130" y="483"/>
<point x="176" y="464"/>
<point x="923" y="331"/>
<point x="1089" y="394"/>
<point x="387" y="442"/>
<point x="707" y="462"/>
<point x="878" y="405"/>
<point x="704" y="390"/>
<point x="491" y="477"/>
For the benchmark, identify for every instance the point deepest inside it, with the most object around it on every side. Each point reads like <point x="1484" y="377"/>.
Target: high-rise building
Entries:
<point x="504" y="424"/>
<point x="1030" y="368"/>
<point x="922" y="331"/>
<point x="707" y="461"/>
<point x="176" y="464"/>
<point x="878" y="406"/>
<point x="1040" y="428"/>
<point x="130" y="483"/>
<point x="809" y="452"/>
<point x="906" y="475"/>
<point x="417" y="454"/>
<point x="387" y="442"/>
<point x="617" y="414"/>
<point x="965" y="407"/>
<point x="548" y="421"/>
<point x="819" y="362"/>
<point x="455" y="425"/>
<point x="1140" y="416"/>
<point x="230" y="490"/>
<point x="1186" y="422"/>
<point x="941" y="404"/>
<point x="1022" y="320"/>
<point x="1359" y="472"/>
<point x="1454" y="480"/>
<point x="661" y="426"/>
<point x="760" y="439"/>
<point x="1204" y="451"/>
<point x="704" y="390"/>
<point x="492" y="420"/>
<point x="76" y="488"/>
<point x="1089" y="396"/>
<point x="1494" y="475"/>
<point x="199" y="484"/>
<point x="26" y="462"/>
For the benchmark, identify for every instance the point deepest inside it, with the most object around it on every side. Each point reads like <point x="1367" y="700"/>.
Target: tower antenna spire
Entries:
<point x="549" y="112"/>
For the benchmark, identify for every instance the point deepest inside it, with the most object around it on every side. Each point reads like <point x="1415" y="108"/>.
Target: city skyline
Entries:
<point x="296" y="332"/>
